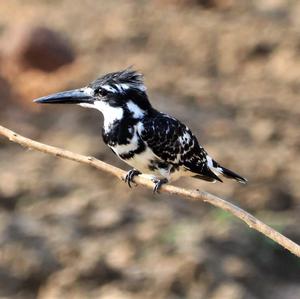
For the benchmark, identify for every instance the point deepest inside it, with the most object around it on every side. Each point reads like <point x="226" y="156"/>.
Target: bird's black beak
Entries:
<point x="76" y="96"/>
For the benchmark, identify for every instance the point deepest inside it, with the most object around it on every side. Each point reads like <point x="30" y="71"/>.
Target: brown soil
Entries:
<point x="231" y="70"/>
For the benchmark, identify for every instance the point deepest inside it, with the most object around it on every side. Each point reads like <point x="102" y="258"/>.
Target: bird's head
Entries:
<point x="120" y="90"/>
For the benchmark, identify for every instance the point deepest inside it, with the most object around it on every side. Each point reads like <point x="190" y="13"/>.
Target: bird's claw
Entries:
<point x="158" y="183"/>
<point x="130" y="176"/>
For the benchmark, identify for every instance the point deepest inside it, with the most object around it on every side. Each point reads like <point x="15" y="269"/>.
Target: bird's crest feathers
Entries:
<point x="120" y="81"/>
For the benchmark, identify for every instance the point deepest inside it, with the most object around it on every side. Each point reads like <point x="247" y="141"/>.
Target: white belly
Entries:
<point x="142" y="161"/>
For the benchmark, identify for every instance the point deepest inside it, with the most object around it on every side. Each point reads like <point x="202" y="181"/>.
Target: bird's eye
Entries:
<point x="101" y="91"/>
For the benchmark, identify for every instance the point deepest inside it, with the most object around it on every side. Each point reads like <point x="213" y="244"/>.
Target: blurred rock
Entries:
<point x="274" y="7"/>
<point x="9" y="185"/>
<point x="110" y="292"/>
<point x="38" y="47"/>
<point x="100" y="273"/>
<point x="122" y="256"/>
<point x="229" y="291"/>
<point x="285" y="64"/>
<point x="236" y="267"/>
<point x="262" y="130"/>
<point x="105" y="218"/>
<point x="218" y="4"/>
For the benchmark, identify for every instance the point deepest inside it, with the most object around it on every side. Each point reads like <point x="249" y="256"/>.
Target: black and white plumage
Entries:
<point x="153" y="143"/>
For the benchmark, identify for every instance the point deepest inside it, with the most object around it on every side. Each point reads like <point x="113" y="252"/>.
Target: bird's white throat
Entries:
<point x="112" y="114"/>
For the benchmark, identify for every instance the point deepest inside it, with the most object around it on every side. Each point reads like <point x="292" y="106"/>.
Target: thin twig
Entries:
<point x="194" y="195"/>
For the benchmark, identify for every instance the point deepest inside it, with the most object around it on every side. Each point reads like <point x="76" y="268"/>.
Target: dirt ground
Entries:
<point x="228" y="68"/>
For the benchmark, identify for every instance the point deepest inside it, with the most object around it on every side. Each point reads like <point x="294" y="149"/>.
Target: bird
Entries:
<point x="153" y="143"/>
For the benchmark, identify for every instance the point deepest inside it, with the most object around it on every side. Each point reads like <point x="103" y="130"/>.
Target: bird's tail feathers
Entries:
<point x="227" y="173"/>
<point x="209" y="173"/>
<point x="231" y="175"/>
<point x="206" y="174"/>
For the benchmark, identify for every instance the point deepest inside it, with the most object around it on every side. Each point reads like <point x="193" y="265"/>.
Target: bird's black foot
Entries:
<point x="130" y="176"/>
<point x="158" y="183"/>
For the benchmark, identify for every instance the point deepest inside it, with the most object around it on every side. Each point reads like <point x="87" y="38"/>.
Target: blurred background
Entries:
<point x="228" y="68"/>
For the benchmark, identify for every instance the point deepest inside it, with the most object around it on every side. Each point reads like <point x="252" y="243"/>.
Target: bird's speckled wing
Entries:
<point x="174" y="143"/>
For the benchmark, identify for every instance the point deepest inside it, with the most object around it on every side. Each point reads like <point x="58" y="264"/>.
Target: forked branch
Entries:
<point x="194" y="195"/>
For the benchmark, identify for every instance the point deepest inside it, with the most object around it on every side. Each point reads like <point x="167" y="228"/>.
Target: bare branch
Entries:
<point x="194" y="195"/>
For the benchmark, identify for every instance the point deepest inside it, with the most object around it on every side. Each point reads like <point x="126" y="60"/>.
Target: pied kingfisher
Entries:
<point x="151" y="142"/>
